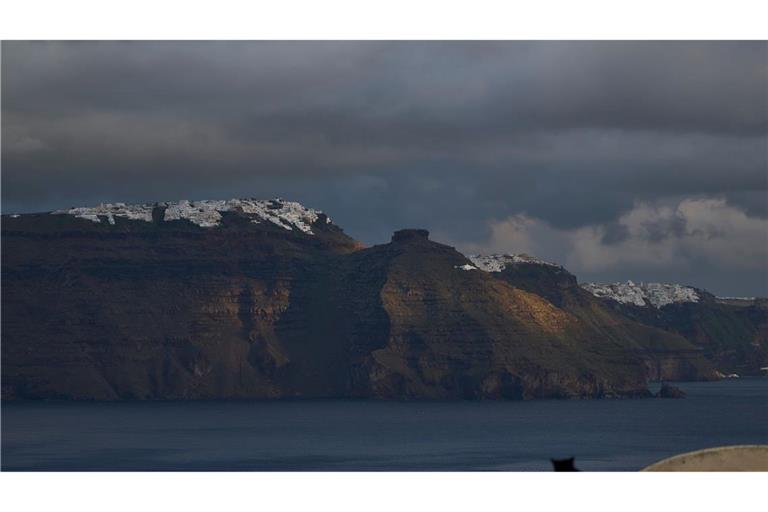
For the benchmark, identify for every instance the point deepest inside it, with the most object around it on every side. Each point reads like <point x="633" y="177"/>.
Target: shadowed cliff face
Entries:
<point x="170" y="310"/>
<point x="150" y="310"/>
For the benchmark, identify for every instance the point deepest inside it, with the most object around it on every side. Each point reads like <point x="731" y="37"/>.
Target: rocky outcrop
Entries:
<point x="669" y="391"/>
<point x="407" y="235"/>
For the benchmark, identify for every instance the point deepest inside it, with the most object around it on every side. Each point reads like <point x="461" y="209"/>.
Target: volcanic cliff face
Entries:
<point x="732" y="332"/>
<point x="455" y="332"/>
<point x="268" y="299"/>
<point x="666" y="355"/>
<point x="132" y="308"/>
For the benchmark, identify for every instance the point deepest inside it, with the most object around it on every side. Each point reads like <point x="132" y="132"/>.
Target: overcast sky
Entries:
<point x="629" y="160"/>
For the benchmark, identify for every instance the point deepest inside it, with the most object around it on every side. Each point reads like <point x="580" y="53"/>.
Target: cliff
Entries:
<point x="666" y="355"/>
<point x="268" y="299"/>
<point x="732" y="333"/>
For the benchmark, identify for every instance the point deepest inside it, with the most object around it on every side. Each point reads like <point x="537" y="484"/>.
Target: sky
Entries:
<point x="620" y="160"/>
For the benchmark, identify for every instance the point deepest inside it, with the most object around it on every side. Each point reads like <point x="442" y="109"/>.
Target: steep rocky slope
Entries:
<point x="456" y="333"/>
<point x="666" y="355"/>
<point x="732" y="333"/>
<point x="268" y="299"/>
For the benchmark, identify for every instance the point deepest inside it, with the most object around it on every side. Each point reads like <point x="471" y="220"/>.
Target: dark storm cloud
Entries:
<point x="670" y="86"/>
<point x="451" y="136"/>
<point x="658" y="230"/>
<point x="614" y="233"/>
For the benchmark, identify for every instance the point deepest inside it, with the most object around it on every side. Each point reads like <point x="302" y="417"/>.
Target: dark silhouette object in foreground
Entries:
<point x="563" y="464"/>
<point x="668" y="391"/>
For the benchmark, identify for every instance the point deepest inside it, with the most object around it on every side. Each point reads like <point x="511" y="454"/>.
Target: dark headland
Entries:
<point x="268" y="299"/>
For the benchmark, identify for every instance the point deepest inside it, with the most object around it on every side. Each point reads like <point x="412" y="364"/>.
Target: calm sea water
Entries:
<point x="371" y="435"/>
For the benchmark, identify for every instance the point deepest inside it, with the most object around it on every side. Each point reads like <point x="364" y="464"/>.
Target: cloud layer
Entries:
<point x="650" y="242"/>
<point x="580" y="140"/>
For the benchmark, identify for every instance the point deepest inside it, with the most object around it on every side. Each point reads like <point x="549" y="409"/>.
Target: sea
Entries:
<point x="367" y="435"/>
